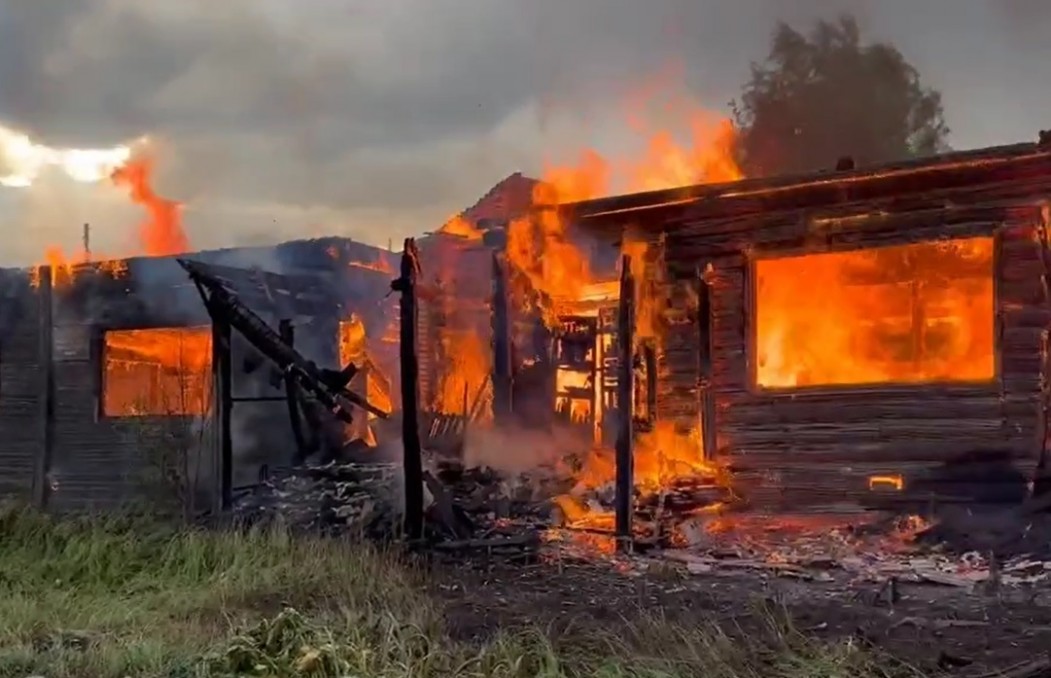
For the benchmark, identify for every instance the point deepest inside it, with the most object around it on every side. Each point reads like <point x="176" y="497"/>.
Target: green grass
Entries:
<point x="91" y="598"/>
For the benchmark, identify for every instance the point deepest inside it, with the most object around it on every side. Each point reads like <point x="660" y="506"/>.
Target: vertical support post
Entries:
<point x="649" y="356"/>
<point x="502" y="377"/>
<point x="223" y="377"/>
<point x="46" y="392"/>
<point x="288" y="335"/>
<point x="1041" y="477"/>
<point x="412" y="462"/>
<point x="625" y="448"/>
<point x="704" y="364"/>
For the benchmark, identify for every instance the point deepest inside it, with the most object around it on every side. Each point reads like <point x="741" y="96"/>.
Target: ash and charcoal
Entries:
<point x="977" y="502"/>
<point x="331" y="499"/>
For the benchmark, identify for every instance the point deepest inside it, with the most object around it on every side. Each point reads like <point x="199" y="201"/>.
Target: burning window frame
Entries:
<point x="751" y="311"/>
<point x="100" y="361"/>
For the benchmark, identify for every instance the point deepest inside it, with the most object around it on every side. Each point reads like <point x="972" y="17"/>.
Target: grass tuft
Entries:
<point x="116" y="597"/>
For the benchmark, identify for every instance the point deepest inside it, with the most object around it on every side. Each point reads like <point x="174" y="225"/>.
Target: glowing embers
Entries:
<point x="157" y="372"/>
<point x="904" y="314"/>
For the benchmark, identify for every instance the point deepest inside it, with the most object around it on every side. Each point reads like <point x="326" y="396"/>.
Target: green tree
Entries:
<point x="826" y="95"/>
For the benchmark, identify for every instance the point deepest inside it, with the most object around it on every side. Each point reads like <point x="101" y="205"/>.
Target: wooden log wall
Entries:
<point x="21" y="413"/>
<point x="818" y="447"/>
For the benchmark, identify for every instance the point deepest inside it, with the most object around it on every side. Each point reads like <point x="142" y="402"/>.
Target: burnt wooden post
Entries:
<point x="625" y="449"/>
<point x="704" y="364"/>
<point x="412" y="462"/>
<point x="1041" y="479"/>
<point x="649" y="358"/>
<point x="46" y="393"/>
<point x="288" y="335"/>
<point x="502" y="378"/>
<point x="222" y="377"/>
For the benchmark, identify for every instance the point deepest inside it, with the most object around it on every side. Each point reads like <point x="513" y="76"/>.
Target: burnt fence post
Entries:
<point x="412" y="462"/>
<point x="502" y="377"/>
<point x="625" y="447"/>
<point x="41" y="481"/>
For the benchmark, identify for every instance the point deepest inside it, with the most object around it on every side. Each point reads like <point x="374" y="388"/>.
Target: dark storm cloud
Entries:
<point x="386" y="115"/>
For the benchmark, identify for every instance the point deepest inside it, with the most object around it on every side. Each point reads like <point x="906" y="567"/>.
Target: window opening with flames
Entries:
<point x="157" y="372"/>
<point x="906" y="314"/>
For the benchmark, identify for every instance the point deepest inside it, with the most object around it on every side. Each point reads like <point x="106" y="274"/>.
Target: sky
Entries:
<point x="378" y="119"/>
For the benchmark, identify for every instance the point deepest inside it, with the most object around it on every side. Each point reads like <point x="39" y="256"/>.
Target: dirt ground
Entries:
<point x="932" y="627"/>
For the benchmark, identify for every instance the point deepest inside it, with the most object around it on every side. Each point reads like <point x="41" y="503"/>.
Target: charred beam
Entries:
<point x="705" y="341"/>
<point x="502" y="377"/>
<point x="625" y="452"/>
<point x="288" y="335"/>
<point x="41" y="482"/>
<point x="222" y="377"/>
<point x="328" y="386"/>
<point x="412" y="461"/>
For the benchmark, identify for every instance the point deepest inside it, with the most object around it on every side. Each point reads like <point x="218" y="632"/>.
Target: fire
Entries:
<point x="903" y="314"/>
<point x="161" y="233"/>
<point x="63" y="268"/>
<point x="465" y="373"/>
<point x="459" y="226"/>
<point x="541" y="247"/>
<point x="661" y="456"/>
<point x="157" y="372"/>
<point x="352" y="341"/>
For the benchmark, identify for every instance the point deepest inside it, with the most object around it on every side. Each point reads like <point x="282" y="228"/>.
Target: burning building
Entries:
<point x="834" y="335"/>
<point x="108" y="370"/>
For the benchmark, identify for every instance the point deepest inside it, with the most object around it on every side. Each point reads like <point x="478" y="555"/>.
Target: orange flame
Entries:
<point x="157" y="372"/>
<point x="160" y="233"/>
<point x="904" y="314"/>
<point x="540" y="246"/>
<point x="459" y="226"/>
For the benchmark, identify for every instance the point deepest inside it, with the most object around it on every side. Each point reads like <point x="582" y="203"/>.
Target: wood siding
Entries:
<point x="818" y="446"/>
<point x="20" y="386"/>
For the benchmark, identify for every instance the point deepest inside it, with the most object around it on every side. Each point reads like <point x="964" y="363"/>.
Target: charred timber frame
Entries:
<point x="502" y="376"/>
<point x="288" y="334"/>
<point x="816" y="447"/>
<point x="222" y="376"/>
<point x="412" y="461"/>
<point x="227" y="313"/>
<point x="625" y="449"/>
<point x="46" y="395"/>
<point x="706" y="396"/>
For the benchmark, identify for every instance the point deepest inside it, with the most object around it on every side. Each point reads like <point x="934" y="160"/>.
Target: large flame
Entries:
<point x="542" y="250"/>
<point x="160" y="233"/>
<point x="904" y="314"/>
<point x="157" y="372"/>
<point x="541" y="247"/>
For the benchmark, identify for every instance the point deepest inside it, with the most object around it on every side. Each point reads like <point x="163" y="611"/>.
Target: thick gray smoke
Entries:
<point x="379" y="119"/>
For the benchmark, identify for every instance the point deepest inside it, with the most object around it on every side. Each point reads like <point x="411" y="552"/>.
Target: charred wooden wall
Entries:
<point x="21" y="388"/>
<point x="96" y="462"/>
<point x="817" y="447"/>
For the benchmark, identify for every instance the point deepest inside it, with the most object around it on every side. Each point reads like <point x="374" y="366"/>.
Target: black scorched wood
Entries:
<point x="625" y="453"/>
<point x="501" y="376"/>
<point x="328" y="386"/>
<point x="412" y="462"/>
